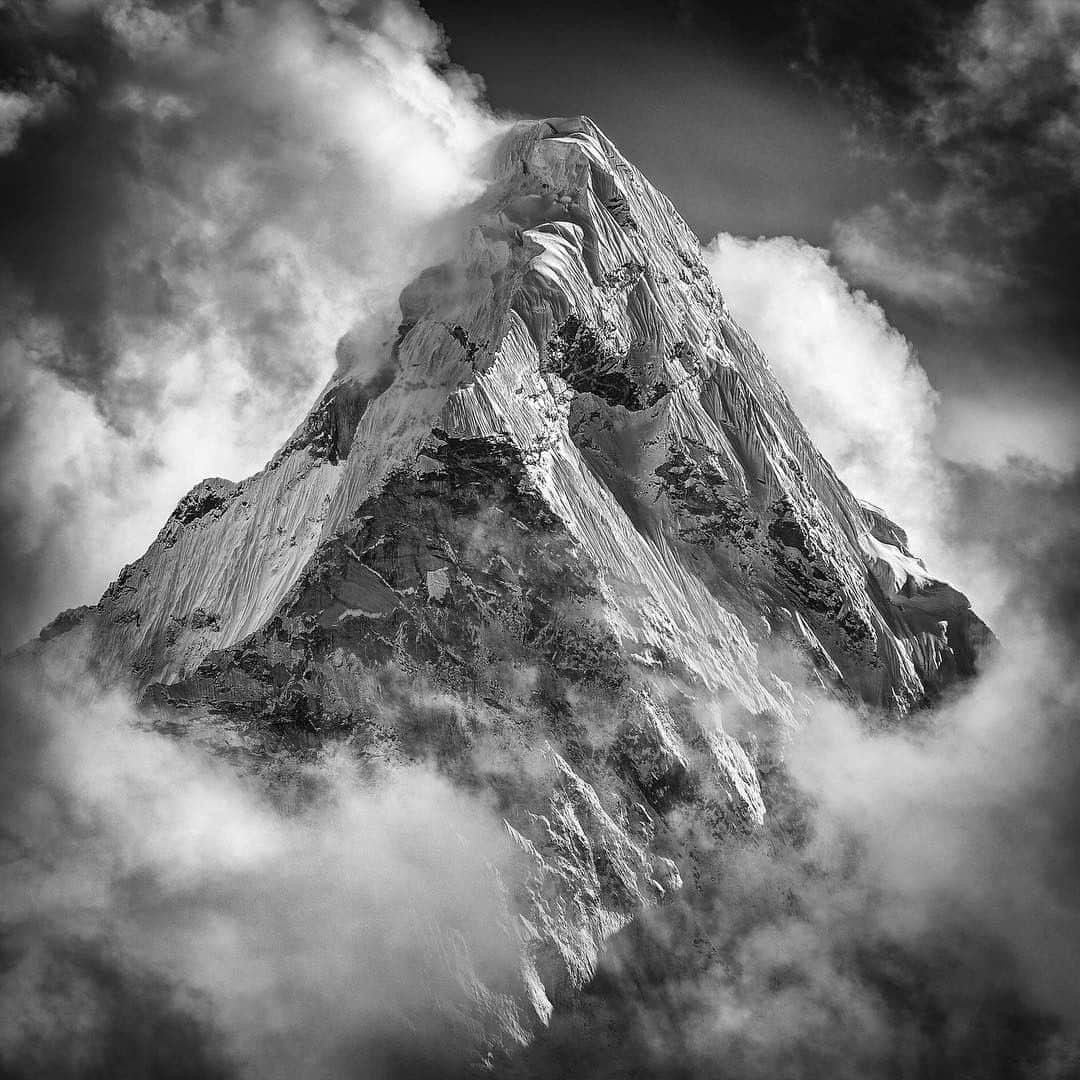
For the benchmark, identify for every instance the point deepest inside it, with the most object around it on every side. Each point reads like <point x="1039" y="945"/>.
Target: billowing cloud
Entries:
<point x="911" y="904"/>
<point x="216" y="194"/>
<point x="978" y="249"/>
<point x="970" y="821"/>
<point x="949" y="468"/>
<point x="853" y="379"/>
<point x="220" y="192"/>
<point x="916" y="901"/>
<point x="166" y="914"/>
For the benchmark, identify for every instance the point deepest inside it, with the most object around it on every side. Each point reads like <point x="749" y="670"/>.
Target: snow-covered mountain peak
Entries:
<point x="568" y="494"/>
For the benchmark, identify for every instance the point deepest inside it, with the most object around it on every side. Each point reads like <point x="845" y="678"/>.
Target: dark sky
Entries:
<point x="720" y="119"/>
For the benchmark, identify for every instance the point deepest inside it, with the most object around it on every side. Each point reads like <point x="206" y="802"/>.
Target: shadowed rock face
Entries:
<point x="547" y="546"/>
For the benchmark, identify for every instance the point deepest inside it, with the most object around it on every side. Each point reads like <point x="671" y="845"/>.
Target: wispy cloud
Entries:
<point x="997" y="112"/>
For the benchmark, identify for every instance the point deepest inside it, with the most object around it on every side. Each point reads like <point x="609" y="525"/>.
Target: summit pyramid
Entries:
<point x="563" y="535"/>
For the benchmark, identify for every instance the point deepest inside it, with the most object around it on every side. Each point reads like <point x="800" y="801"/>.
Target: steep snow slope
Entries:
<point x="553" y="536"/>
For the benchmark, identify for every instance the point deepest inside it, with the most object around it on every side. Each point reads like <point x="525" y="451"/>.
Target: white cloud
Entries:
<point x="341" y="924"/>
<point x="15" y="110"/>
<point x="853" y="380"/>
<point x="280" y="172"/>
<point x="991" y="429"/>
<point x="965" y="823"/>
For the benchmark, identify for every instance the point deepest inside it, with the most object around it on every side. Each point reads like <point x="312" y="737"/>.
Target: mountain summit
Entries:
<point x="564" y="535"/>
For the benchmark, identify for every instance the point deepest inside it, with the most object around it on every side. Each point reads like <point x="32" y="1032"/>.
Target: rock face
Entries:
<point x="557" y="538"/>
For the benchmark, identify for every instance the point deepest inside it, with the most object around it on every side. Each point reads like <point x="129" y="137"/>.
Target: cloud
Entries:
<point x="222" y="192"/>
<point x="311" y="920"/>
<point x="973" y="825"/>
<point x="911" y="905"/>
<point x="17" y="109"/>
<point x="1001" y="425"/>
<point x="1016" y="526"/>
<point x="889" y="246"/>
<point x="996" y="110"/>
<point x="973" y="107"/>
<point x="925" y="902"/>
<point x="853" y="379"/>
<point x="949" y="468"/>
<point x="1016" y="70"/>
<point x="915" y="905"/>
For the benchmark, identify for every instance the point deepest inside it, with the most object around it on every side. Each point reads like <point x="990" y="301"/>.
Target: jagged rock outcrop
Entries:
<point x="552" y="538"/>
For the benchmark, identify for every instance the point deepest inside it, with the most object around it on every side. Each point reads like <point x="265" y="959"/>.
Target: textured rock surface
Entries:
<point x="553" y="539"/>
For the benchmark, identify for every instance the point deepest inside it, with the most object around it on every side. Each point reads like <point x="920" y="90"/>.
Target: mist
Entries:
<point x="909" y="909"/>
<point x="199" y="201"/>
<point x="172" y="909"/>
